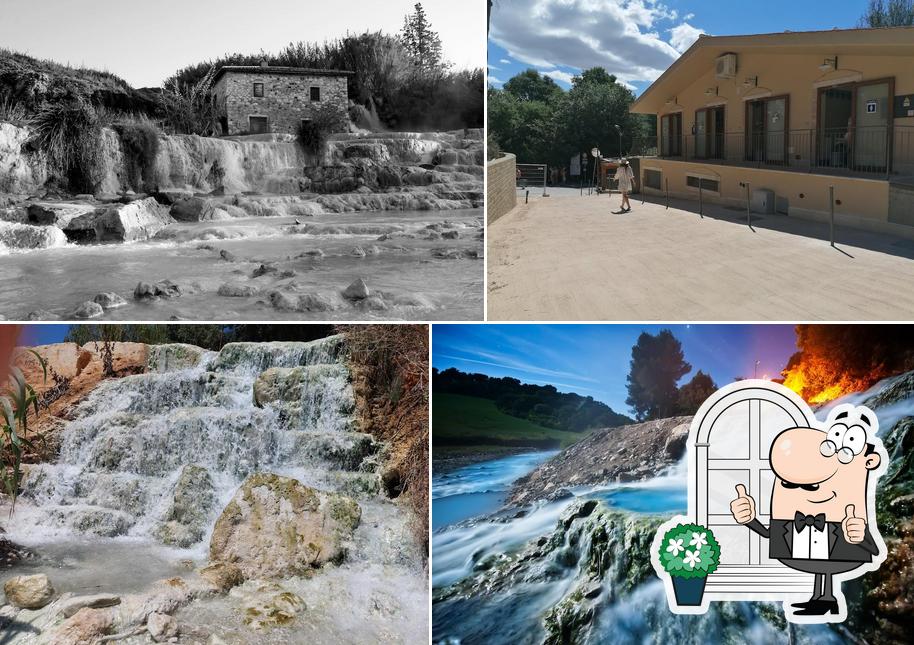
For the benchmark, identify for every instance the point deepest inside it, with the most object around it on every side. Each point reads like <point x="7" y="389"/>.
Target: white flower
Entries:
<point x="675" y="547"/>
<point x="691" y="558"/>
<point x="698" y="539"/>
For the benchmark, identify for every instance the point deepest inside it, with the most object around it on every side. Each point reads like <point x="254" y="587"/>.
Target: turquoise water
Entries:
<point x="662" y="499"/>
<point x="479" y="489"/>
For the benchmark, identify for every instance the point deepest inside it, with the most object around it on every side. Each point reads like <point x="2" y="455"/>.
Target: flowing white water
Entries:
<point x="123" y="453"/>
<point x="426" y="276"/>
<point x="98" y="517"/>
<point x="457" y="549"/>
<point x="522" y="598"/>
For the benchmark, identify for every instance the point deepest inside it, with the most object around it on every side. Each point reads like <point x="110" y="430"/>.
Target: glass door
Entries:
<point x="671" y="135"/>
<point x="766" y="131"/>
<point x="872" y="120"/>
<point x="716" y="132"/>
<point x="836" y="114"/>
<point x="701" y="131"/>
<point x="709" y="133"/>
<point x="776" y="131"/>
<point x="755" y="131"/>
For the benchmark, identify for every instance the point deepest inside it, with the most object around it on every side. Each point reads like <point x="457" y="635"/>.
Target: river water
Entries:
<point x="420" y="274"/>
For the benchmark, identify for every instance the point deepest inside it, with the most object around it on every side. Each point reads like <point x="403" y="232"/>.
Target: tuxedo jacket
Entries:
<point x="780" y="541"/>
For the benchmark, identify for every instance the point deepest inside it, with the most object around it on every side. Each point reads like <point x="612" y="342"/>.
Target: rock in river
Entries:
<point x="29" y="592"/>
<point x="358" y="290"/>
<point x="161" y="627"/>
<point x="138" y="220"/>
<point x="57" y="214"/>
<point x="109" y="300"/>
<point x="97" y="601"/>
<point x="88" y="309"/>
<point x="237" y="290"/>
<point x="187" y="516"/>
<point x="277" y="527"/>
<point x="161" y="289"/>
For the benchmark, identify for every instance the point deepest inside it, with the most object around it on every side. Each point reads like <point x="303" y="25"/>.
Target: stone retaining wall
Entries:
<point x="501" y="186"/>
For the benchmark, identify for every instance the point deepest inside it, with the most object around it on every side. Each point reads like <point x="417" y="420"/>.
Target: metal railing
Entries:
<point x="532" y="175"/>
<point x="871" y="150"/>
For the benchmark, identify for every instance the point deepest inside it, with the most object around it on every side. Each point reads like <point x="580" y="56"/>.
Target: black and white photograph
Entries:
<point x="235" y="161"/>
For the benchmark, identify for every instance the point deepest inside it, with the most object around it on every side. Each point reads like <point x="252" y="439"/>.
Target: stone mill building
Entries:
<point x="261" y="99"/>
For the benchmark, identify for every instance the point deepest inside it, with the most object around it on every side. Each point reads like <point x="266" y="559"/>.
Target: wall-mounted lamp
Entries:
<point x="711" y="91"/>
<point x="829" y="64"/>
<point x="751" y="81"/>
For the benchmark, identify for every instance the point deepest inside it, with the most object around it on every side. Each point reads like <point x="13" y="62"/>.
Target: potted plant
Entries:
<point x="689" y="552"/>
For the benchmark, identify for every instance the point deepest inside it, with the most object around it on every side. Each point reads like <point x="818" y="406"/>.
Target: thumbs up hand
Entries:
<point x="854" y="528"/>
<point x="743" y="507"/>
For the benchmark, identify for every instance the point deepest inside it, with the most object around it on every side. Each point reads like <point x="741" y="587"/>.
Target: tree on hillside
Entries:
<point x="695" y="392"/>
<point x="657" y="365"/>
<point x="422" y="43"/>
<point x="888" y="13"/>
<point x="530" y="85"/>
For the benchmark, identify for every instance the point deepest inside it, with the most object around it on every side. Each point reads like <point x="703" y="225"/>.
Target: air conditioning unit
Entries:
<point x="725" y="66"/>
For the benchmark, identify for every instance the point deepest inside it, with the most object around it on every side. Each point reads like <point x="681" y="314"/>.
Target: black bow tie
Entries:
<point x="801" y="521"/>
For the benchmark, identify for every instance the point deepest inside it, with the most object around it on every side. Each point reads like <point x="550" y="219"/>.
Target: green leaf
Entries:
<point x="7" y="410"/>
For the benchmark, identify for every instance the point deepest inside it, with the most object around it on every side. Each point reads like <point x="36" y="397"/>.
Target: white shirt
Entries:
<point x="810" y="543"/>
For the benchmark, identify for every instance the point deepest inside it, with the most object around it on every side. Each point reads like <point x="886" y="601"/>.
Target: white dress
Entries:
<point x="625" y="175"/>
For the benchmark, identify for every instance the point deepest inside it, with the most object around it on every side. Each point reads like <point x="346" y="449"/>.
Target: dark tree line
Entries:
<point x="888" y="13"/>
<point x="540" y="404"/>
<point x="403" y="77"/>
<point x="657" y="365"/>
<point x="212" y="337"/>
<point x="534" y="118"/>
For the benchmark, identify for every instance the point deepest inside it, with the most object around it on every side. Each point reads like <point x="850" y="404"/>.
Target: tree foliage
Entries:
<point x="888" y="13"/>
<point x="212" y="337"/>
<point x="534" y="118"/>
<point x="422" y="43"/>
<point x="407" y="92"/>
<point x="657" y="365"/>
<point x="695" y="392"/>
<point x="530" y="85"/>
<point x="540" y="404"/>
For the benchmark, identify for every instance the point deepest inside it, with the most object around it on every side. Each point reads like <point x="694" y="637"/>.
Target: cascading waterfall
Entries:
<point x="198" y="163"/>
<point x="139" y="442"/>
<point x="550" y="573"/>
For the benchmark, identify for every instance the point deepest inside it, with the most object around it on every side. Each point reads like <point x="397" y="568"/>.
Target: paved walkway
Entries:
<point x="569" y="258"/>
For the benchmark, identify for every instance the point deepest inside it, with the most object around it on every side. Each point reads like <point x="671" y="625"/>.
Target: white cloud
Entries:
<point x="494" y="67"/>
<point x="491" y="80"/>
<point x="682" y="36"/>
<point x="623" y="36"/>
<point x="558" y="75"/>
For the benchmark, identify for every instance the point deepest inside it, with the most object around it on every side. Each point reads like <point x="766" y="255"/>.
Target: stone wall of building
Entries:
<point x="285" y="102"/>
<point x="501" y="186"/>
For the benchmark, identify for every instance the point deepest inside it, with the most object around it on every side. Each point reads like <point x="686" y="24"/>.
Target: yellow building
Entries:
<point x="775" y="120"/>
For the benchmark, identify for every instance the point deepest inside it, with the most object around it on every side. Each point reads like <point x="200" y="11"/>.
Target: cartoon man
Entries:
<point x="819" y="502"/>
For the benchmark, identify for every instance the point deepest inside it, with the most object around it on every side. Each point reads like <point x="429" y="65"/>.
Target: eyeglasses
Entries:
<point x="845" y="454"/>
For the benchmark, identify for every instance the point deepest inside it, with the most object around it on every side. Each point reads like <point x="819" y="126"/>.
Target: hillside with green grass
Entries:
<point x="469" y="421"/>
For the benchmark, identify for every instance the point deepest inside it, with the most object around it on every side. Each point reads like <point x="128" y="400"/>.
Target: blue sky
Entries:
<point x="31" y="335"/>
<point x="636" y="39"/>
<point x="593" y="360"/>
